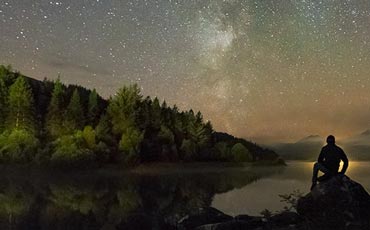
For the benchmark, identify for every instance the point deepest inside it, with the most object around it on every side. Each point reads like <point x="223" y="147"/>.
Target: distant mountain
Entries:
<point x="359" y="139"/>
<point x="358" y="146"/>
<point x="366" y="133"/>
<point x="311" y="139"/>
<point x="307" y="148"/>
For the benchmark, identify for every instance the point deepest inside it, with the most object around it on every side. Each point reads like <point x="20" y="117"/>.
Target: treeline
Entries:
<point x="51" y="123"/>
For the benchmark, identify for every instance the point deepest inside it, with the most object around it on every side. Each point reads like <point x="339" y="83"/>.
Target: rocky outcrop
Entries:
<point x="203" y="216"/>
<point x="220" y="221"/>
<point x="338" y="203"/>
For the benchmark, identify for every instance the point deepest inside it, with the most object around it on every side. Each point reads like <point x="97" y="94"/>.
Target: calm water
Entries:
<point x="146" y="199"/>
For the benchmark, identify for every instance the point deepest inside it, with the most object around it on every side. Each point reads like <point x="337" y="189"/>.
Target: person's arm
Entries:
<point x="321" y="156"/>
<point x="345" y="163"/>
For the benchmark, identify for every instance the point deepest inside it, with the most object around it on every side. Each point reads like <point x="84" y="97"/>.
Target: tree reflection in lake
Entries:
<point x="45" y="200"/>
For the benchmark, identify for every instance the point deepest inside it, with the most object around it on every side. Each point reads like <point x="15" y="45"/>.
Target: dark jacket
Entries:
<point x="331" y="155"/>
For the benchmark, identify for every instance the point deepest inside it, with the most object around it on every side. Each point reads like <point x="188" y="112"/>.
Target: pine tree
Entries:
<point x="130" y="143"/>
<point x="123" y="107"/>
<point x="7" y="74"/>
<point x="156" y="114"/>
<point x="3" y="103"/>
<point x="20" y="110"/>
<point x="104" y="129"/>
<point x="54" y="117"/>
<point x="74" y="112"/>
<point x="93" y="109"/>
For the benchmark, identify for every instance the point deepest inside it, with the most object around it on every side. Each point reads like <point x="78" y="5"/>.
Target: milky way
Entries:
<point x="269" y="70"/>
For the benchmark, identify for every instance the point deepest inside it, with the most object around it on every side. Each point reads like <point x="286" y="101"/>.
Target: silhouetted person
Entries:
<point x="328" y="161"/>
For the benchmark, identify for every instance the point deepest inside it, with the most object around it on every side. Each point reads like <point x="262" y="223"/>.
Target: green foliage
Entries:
<point x="155" y="115"/>
<point x="166" y="136"/>
<point x="74" y="113"/>
<point x="93" y="108"/>
<point x="18" y="145"/>
<point x="130" y="144"/>
<point x="89" y="136"/>
<point x="266" y="213"/>
<point x="188" y="149"/>
<point x="106" y="142"/>
<point x="240" y="153"/>
<point x="291" y="200"/>
<point x="223" y="151"/>
<point x="3" y="103"/>
<point x="200" y="133"/>
<point x="21" y="107"/>
<point x="8" y="75"/>
<point x="102" y="152"/>
<point x="104" y="130"/>
<point x="54" y="117"/>
<point x="72" y="149"/>
<point x="122" y="108"/>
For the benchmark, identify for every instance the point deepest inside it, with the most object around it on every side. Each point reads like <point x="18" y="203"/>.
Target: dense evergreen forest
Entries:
<point x="47" y="122"/>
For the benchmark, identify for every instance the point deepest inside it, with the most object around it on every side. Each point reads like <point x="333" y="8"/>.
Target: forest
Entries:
<point x="50" y="123"/>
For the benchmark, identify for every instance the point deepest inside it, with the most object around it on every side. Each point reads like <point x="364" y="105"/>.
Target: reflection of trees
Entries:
<point x="70" y="206"/>
<point x="111" y="202"/>
<point x="75" y="199"/>
<point x="178" y="194"/>
<point x="126" y="201"/>
<point x="14" y="204"/>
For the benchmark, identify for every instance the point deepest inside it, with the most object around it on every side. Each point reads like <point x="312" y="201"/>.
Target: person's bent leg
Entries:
<point x="316" y="168"/>
<point x="323" y="169"/>
<point x="315" y="172"/>
<point x="327" y="173"/>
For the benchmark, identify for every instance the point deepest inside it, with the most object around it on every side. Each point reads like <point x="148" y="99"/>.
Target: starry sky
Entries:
<point x="266" y="70"/>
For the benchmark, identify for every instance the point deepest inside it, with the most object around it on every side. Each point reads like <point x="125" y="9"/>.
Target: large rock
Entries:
<point x="201" y="217"/>
<point x="285" y="218"/>
<point x="281" y="221"/>
<point x="338" y="203"/>
<point x="233" y="225"/>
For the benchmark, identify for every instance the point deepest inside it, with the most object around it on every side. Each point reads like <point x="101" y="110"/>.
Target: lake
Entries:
<point x="147" y="198"/>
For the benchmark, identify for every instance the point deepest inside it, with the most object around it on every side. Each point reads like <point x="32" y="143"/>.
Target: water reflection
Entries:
<point x="40" y="200"/>
<point x="264" y="193"/>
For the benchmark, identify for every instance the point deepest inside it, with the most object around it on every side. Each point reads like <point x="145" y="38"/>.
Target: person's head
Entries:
<point x="330" y="140"/>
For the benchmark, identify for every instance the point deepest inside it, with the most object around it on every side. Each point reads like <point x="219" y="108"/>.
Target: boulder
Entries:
<point x="232" y="225"/>
<point x="338" y="203"/>
<point x="281" y="221"/>
<point x="203" y="216"/>
<point x="285" y="218"/>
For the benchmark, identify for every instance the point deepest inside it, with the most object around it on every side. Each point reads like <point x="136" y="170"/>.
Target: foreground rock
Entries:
<point x="212" y="219"/>
<point x="201" y="217"/>
<point x="339" y="203"/>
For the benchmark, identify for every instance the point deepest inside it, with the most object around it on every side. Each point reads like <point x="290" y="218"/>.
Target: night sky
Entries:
<point x="269" y="70"/>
